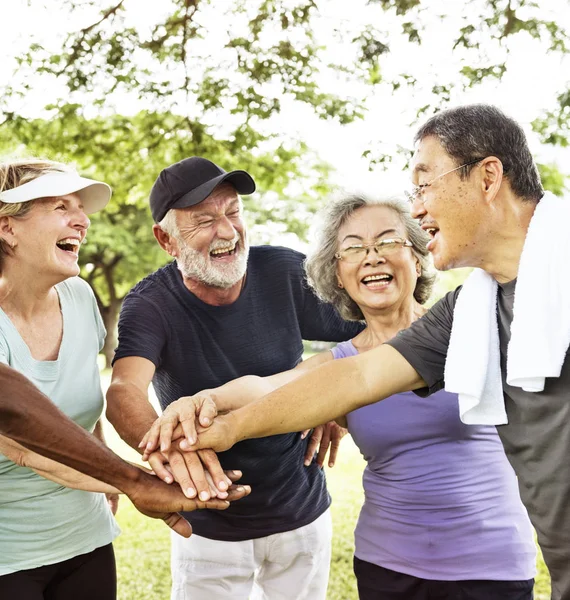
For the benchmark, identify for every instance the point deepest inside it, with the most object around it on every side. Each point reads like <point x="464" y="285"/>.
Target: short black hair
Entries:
<point x="475" y="131"/>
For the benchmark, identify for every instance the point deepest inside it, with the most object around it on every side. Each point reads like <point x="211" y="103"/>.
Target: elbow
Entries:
<point x="112" y="404"/>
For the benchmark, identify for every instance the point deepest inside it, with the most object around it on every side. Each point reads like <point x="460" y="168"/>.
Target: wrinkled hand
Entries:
<point x="324" y="437"/>
<point x="113" y="501"/>
<point x="221" y="435"/>
<point x="199" y="474"/>
<point x="189" y="412"/>
<point x="154" y="498"/>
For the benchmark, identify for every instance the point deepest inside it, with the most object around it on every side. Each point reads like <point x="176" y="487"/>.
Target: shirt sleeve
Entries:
<point x="142" y="331"/>
<point x="424" y="344"/>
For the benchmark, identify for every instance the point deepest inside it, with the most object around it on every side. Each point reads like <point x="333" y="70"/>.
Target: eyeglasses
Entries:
<point x="417" y="190"/>
<point x="356" y="253"/>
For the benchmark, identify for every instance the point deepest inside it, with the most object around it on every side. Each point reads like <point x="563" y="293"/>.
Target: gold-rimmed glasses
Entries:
<point x="357" y="252"/>
<point x="417" y="190"/>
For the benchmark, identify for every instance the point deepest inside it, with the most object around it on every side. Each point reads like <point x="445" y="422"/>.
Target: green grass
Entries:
<point x="143" y="549"/>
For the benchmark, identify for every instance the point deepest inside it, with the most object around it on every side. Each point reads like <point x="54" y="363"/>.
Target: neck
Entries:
<point x="212" y="295"/>
<point x="506" y="239"/>
<point x="383" y="325"/>
<point x="25" y="295"/>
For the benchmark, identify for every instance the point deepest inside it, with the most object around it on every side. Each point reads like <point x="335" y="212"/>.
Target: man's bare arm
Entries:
<point x="323" y="394"/>
<point x="183" y="416"/>
<point x="128" y="406"/>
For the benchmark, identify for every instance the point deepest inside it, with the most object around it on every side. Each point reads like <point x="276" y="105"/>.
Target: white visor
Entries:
<point x="94" y="195"/>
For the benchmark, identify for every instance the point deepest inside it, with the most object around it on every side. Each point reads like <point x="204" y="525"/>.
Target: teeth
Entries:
<point x="222" y="250"/>
<point x="377" y="278"/>
<point x="69" y="241"/>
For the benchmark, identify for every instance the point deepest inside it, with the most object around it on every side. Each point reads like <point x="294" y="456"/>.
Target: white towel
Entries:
<point x="540" y="331"/>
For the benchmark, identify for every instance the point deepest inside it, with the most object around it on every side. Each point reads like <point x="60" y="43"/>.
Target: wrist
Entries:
<point x="128" y="479"/>
<point x="238" y="425"/>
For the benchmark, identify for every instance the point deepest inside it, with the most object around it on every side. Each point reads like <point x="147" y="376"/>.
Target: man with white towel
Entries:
<point x="479" y="196"/>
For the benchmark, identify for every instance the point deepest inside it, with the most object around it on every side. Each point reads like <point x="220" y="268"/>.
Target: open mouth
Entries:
<point x="432" y="232"/>
<point x="70" y="245"/>
<point x="378" y="281"/>
<point x="224" y="251"/>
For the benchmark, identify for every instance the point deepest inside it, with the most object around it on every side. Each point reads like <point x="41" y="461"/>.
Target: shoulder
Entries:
<point x="156" y="283"/>
<point x="344" y="349"/>
<point x="264" y="256"/>
<point x="445" y="306"/>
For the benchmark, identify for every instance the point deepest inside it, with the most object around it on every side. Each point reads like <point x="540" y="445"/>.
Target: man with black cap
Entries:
<point x="221" y="311"/>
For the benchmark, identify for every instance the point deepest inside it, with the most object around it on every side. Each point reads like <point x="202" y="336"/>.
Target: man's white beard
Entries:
<point x="193" y="265"/>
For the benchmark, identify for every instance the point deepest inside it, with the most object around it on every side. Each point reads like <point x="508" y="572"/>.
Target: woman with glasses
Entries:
<point x="442" y="517"/>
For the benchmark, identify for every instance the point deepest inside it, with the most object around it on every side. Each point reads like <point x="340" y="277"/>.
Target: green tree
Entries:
<point x="128" y="153"/>
<point x="134" y="93"/>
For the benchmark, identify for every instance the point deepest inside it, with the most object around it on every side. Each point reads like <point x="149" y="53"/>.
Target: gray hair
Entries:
<point x="321" y="264"/>
<point x="168" y="224"/>
<point x="475" y="131"/>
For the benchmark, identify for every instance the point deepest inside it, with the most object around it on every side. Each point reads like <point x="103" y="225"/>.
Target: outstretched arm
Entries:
<point x="30" y="418"/>
<point x="51" y="469"/>
<point x="322" y="394"/>
<point x="182" y="417"/>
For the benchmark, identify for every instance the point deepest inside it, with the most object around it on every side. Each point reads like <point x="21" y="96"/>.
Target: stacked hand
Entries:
<point x="155" y="499"/>
<point x="195" y="468"/>
<point x="324" y="438"/>
<point x="192" y="423"/>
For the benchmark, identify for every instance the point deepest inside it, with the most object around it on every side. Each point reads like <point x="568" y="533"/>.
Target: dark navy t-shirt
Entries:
<point x="195" y="346"/>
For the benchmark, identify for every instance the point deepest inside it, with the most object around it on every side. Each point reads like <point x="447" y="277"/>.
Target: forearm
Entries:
<point x="332" y="390"/>
<point x="130" y="412"/>
<point x="244" y="390"/>
<point x="51" y="469"/>
<point x="30" y="418"/>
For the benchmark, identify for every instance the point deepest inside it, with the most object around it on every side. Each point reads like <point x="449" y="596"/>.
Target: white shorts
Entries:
<point x="293" y="565"/>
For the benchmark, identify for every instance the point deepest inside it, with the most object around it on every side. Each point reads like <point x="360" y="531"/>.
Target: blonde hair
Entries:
<point x="14" y="173"/>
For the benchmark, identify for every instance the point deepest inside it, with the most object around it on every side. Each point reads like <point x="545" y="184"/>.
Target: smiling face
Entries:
<point x="377" y="282"/>
<point x="46" y="240"/>
<point x="451" y="210"/>
<point x="211" y="245"/>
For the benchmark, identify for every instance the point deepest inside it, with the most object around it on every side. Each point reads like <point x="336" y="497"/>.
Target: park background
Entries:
<point x="309" y="96"/>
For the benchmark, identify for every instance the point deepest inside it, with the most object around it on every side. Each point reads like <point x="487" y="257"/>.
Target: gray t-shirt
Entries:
<point x="536" y="438"/>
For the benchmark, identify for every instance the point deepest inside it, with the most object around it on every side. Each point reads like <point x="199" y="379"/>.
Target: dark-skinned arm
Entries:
<point x="30" y="418"/>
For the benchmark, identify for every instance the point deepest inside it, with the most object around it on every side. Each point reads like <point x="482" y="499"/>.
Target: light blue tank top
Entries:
<point x="42" y="522"/>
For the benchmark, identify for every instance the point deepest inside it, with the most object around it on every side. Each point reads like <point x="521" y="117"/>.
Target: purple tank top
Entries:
<point x="441" y="499"/>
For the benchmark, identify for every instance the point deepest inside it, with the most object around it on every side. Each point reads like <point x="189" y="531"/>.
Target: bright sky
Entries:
<point x="530" y="85"/>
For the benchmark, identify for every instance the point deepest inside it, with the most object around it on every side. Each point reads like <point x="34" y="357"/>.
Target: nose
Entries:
<point x="373" y="258"/>
<point x="225" y="229"/>
<point x="418" y="208"/>
<point x="80" y="220"/>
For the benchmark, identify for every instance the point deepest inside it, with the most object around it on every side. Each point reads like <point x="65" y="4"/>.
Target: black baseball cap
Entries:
<point x="191" y="181"/>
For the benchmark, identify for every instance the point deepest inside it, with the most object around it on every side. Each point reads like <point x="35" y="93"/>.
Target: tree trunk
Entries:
<point x="110" y="316"/>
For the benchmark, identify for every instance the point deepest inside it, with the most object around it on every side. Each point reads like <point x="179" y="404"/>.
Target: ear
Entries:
<point x="165" y="241"/>
<point x="491" y="170"/>
<point x="418" y="268"/>
<point x="6" y="231"/>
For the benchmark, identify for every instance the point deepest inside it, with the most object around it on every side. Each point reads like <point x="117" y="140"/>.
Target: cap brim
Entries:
<point x="94" y="195"/>
<point x="241" y="180"/>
